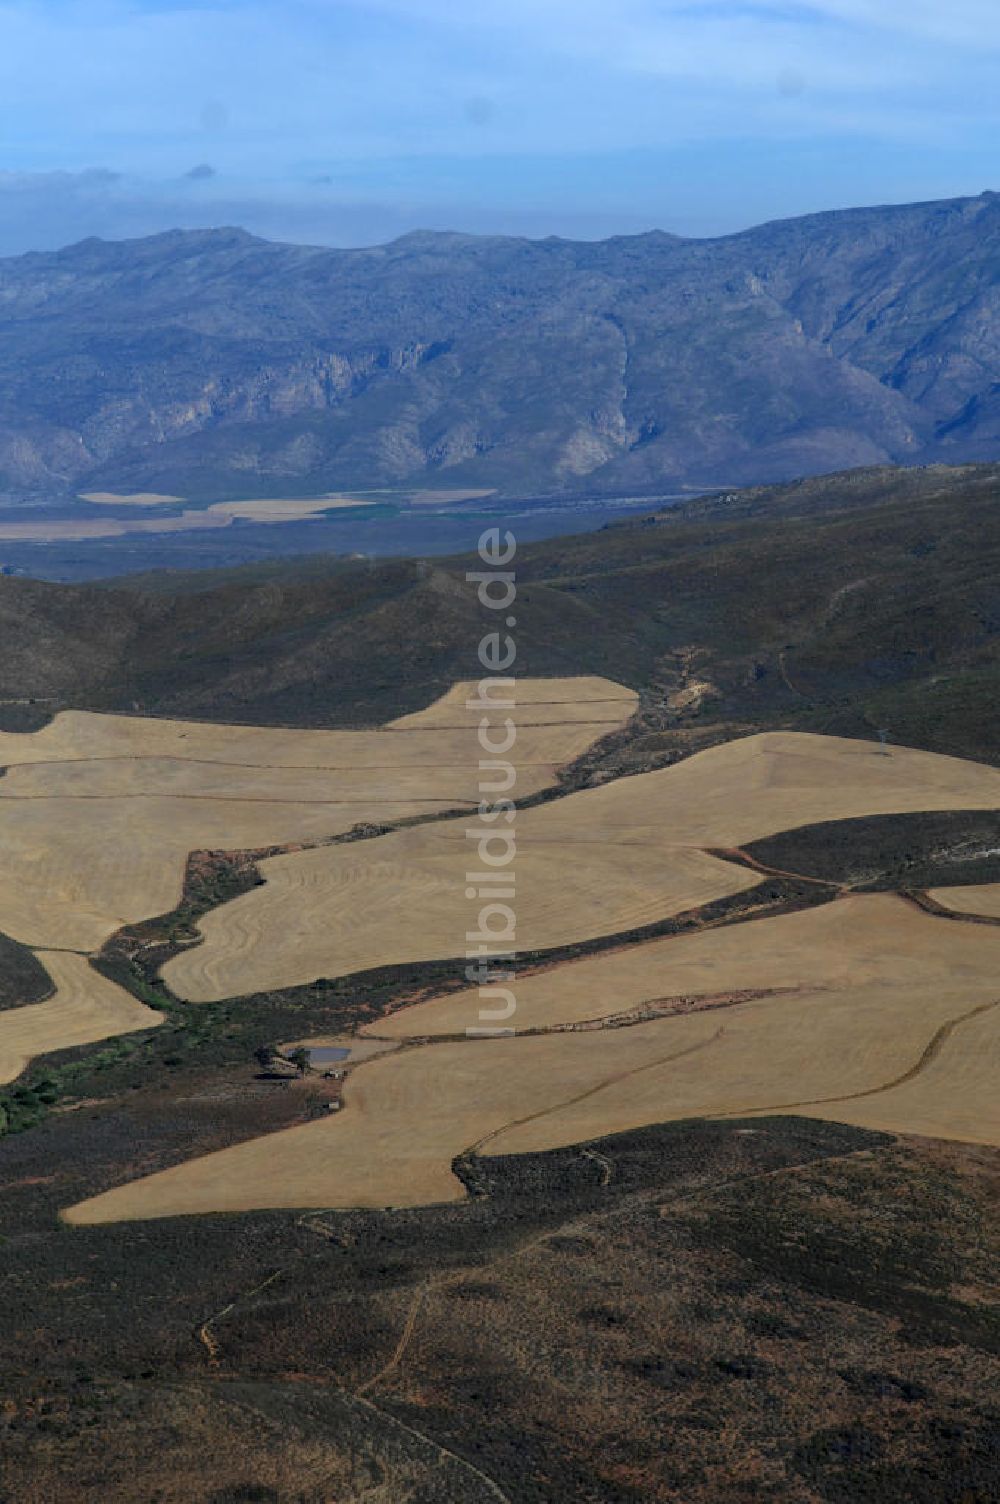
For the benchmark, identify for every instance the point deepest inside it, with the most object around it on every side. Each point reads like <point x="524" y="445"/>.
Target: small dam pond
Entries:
<point x="327" y="1055"/>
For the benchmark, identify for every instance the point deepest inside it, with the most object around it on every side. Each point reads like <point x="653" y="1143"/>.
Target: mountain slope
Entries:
<point x="841" y="604"/>
<point x="210" y="361"/>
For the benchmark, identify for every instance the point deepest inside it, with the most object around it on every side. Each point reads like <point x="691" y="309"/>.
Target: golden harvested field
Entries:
<point x="98" y="813"/>
<point x="952" y="1095"/>
<point x="585" y="698"/>
<point x="544" y="741"/>
<point x="743" y="790"/>
<point x="865" y="1049"/>
<point x="818" y="1054"/>
<point x="77" y="868"/>
<point x="598" y="862"/>
<point x="865" y="1010"/>
<point x="983" y="898"/>
<point x="333" y="911"/>
<point x="860" y="940"/>
<point x="85" y="1008"/>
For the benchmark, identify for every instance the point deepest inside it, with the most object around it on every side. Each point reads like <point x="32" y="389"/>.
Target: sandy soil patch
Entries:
<point x="85" y="1008"/>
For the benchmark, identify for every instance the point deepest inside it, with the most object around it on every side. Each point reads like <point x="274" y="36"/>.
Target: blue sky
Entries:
<point x="346" y="123"/>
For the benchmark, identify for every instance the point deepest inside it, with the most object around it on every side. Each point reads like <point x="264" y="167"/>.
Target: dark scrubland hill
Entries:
<point x="687" y="1314"/>
<point x="693" y="1312"/>
<point x="209" y="362"/>
<point x="844" y="604"/>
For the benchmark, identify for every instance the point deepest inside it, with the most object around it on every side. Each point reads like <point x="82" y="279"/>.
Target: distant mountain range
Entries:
<point x="210" y="362"/>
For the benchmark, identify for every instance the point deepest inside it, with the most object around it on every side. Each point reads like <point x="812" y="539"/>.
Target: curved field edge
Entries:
<point x="225" y="1036"/>
<point x="878" y="853"/>
<point x="315" y="916"/>
<point x="716" y="1264"/>
<point x="408" y="1111"/>
<point x="23" y="979"/>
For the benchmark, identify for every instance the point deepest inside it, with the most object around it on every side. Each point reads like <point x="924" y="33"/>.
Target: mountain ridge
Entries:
<point x="213" y="363"/>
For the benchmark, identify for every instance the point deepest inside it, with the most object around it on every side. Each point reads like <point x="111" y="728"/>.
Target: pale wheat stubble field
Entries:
<point x="865" y="1010"/>
<point x="99" y="813"/>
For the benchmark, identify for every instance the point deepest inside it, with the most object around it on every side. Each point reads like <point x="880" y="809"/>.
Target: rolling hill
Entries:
<point x="716" y="1221"/>
<point x="839" y="604"/>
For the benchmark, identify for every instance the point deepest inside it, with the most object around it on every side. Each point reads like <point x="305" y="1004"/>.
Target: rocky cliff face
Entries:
<point x="206" y="362"/>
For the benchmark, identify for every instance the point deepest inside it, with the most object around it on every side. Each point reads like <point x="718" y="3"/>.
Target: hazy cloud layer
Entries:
<point x="333" y="120"/>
